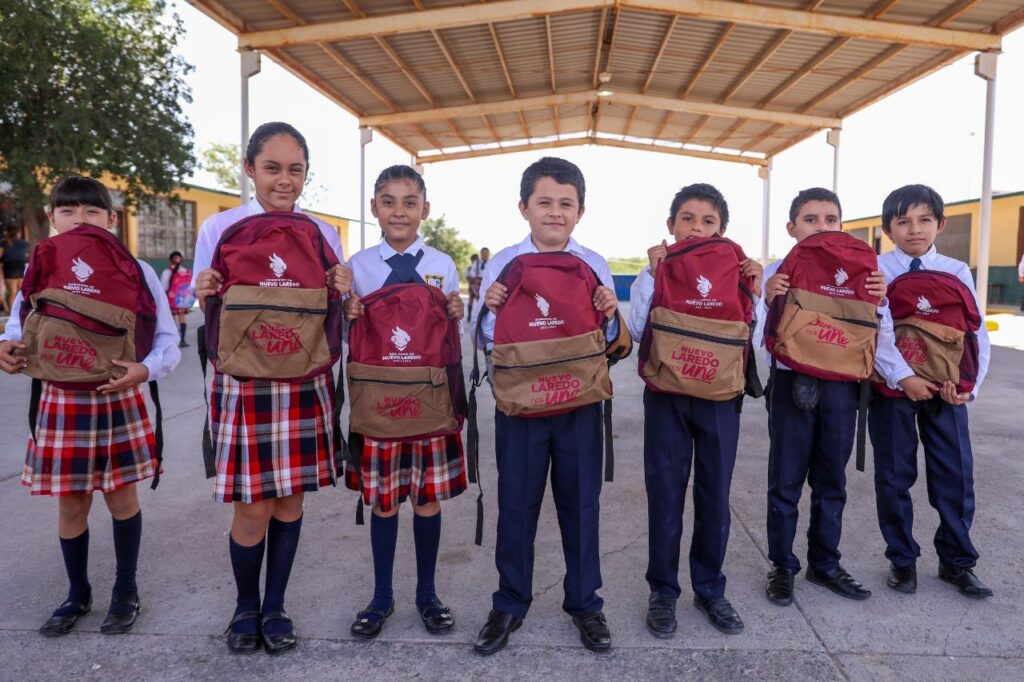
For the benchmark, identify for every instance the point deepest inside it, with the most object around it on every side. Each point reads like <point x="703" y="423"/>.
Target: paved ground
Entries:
<point x="188" y="592"/>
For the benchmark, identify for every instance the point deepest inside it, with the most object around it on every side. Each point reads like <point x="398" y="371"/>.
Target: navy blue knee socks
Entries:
<point x="282" y="542"/>
<point x="127" y="538"/>
<point x="426" y="531"/>
<point x="76" y="563"/>
<point x="246" y="563"/>
<point x="383" y="539"/>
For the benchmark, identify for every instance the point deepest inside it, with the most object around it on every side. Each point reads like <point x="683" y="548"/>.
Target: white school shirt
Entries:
<point x="370" y="269"/>
<point x="214" y="226"/>
<point x="164" y="356"/>
<point x="1020" y="267"/>
<point x="496" y="264"/>
<point x="885" y="351"/>
<point x="895" y="263"/>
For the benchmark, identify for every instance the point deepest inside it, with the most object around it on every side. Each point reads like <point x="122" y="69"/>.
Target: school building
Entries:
<point x="960" y="240"/>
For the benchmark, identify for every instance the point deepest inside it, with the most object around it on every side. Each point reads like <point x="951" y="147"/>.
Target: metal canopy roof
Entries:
<point x="731" y="80"/>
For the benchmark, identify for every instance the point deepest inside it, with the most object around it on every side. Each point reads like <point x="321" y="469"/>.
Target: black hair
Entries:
<point x="813" y="194"/>
<point x="561" y="171"/>
<point x="901" y="200"/>
<point x="269" y="130"/>
<point x="400" y="172"/>
<point x="704" y="192"/>
<point x="175" y="253"/>
<point x="474" y="257"/>
<point x="75" y="190"/>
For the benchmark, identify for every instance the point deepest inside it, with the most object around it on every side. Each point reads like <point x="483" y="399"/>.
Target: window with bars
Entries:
<point x="165" y="227"/>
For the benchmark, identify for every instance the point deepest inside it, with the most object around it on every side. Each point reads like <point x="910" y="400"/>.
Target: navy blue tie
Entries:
<point x="403" y="268"/>
<point x="915" y="265"/>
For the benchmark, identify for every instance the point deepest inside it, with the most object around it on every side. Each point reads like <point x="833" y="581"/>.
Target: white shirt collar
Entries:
<point x="527" y="246"/>
<point x="254" y="207"/>
<point x="904" y="260"/>
<point x="386" y="251"/>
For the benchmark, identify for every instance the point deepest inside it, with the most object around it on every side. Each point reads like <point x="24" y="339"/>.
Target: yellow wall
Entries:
<point x="1005" y="224"/>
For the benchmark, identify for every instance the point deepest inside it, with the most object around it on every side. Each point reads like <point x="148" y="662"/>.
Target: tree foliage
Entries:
<point x="91" y="87"/>
<point x="445" y="238"/>
<point x="223" y="161"/>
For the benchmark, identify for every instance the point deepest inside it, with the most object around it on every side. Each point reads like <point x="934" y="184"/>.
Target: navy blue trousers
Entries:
<point x="571" y="446"/>
<point x="812" y="446"/>
<point x="949" y="471"/>
<point x="680" y="433"/>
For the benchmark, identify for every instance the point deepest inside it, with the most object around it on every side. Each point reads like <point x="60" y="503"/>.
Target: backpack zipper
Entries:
<point x="927" y="332"/>
<point x="357" y="380"/>
<point x="698" y="335"/>
<point x="276" y="308"/>
<point x="117" y="331"/>
<point x="552" y="362"/>
<point x="860" y="323"/>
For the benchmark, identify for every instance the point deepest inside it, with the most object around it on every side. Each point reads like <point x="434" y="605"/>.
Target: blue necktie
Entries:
<point x="403" y="268"/>
<point x="915" y="265"/>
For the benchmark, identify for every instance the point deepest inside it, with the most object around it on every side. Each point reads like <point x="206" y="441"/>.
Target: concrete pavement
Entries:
<point x="188" y="593"/>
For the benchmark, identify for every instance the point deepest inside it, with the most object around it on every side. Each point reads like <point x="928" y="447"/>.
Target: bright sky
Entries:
<point x="930" y="132"/>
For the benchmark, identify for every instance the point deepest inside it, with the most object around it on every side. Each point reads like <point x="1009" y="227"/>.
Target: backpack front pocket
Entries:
<point x="272" y="333"/>
<point x="933" y="351"/>
<point x="829" y="334"/>
<point x="400" y="402"/>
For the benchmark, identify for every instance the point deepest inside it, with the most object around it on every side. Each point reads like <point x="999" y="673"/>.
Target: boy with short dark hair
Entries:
<point x="913" y="216"/>
<point x="552" y="196"/>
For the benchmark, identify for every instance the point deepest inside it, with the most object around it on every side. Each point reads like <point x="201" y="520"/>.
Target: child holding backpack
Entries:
<point x="86" y="296"/>
<point x="401" y="452"/>
<point x="693" y="322"/>
<point x="942" y="360"/>
<point x="273" y="439"/>
<point x="819" y="326"/>
<point x="550" y="313"/>
<point x="177" y="282"/>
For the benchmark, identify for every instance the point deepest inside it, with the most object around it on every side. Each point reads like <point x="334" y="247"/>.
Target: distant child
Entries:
<point x="426" y="470"/>
<point x="176" y="280"/>
<point x="921" y="393"/>
<point x="811" y="424"/>
<point x="552" y="194"/>
<point x="682" y="430"/>
<point x="99" y="439"/>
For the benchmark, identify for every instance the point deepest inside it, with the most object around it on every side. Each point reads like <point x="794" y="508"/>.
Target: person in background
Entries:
<point x="472" y="276"/>
<point x="14" y="252"/>
<point x="1020" y="278"/>
<point x="177" y="283"/>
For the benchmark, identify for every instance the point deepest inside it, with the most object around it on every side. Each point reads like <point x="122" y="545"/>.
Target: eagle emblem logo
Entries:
<point x="542" y="304"/>
<point x="703" y="286"/>
<point x="400" y="338"/>
<point x="278" y="265"/>
<point x="81" y="269"/>
<point x="841" y="277"/>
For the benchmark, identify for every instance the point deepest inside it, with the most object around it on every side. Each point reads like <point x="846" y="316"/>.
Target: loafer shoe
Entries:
<point x="779" y="589"/>
<point x="365" y="627"/>
<point x="720" y="613"/>
<point x="437" y="618"/>
<point x="839" y="581"/>
<point x="279" y="641"/>
<point x="244" y="642"/>
<point x="594" y="631"/>
<point x="495" y="633"/>
<point x="661" y="615"/>
<point x="966" y="582"/>
<point x="123" y="619"/>
<point x="902" y="579"/>
<point x="58" y="625"/>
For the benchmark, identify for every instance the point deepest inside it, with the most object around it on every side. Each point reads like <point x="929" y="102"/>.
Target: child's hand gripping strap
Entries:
<point x="621" y="346"/>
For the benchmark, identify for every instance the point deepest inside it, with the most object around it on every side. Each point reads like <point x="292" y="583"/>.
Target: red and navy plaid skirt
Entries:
<point x="87" y="441"/>
<point x="271" y="438"/>
<point x="431" y="470"/>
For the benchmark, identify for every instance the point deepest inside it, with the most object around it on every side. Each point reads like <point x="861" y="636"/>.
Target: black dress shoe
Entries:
<point x="494" y="634"/>
<point x="594" y="631"/>
<point x="244" y="642"/>
<point x="437" y="618"/>
<point x="123" y="620"/>
<point x="903" y="579"/>
<point x="365" y="627"/>
<point x="721" y="614"/>
<point x="839" y="581"/>
<point x="780" y="586"/>
<point x="55" y="625"/>
<point x="281" y="641"/>
<point x="966" y="582"/>
<point x="661" y="615"/>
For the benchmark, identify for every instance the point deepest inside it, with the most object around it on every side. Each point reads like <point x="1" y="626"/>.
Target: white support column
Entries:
<point x="765" y="173"/>
<point x="832" y="137"/>
<point x="250" y="62"/>
<point x="365" y="135"/>
<point x="985" y="67"/>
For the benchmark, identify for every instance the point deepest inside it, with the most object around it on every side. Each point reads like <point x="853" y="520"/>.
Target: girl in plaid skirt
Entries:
<point x="94" y="440"/>
<point x="273" y="440"/>
<point x="427" y="470"/>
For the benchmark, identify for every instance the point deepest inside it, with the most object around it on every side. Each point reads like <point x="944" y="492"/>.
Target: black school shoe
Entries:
<point x="661" y="615"/>
<point x="779" y="589"/>
<point x="58" y="625"/>
<point x="495" y="633"/>
<point x="594" y="631"/>
<point x="839" y="581"/>
<point x="721" y="614"/>
<point x="902" y="579"/>
<point x="437" y="618"/>
<point x="278" y="642"/>
<point x="365" y="627"/>
<point x="123" y="619"/>
<point x="966" y="582"/>
<point x="244" y="642"/>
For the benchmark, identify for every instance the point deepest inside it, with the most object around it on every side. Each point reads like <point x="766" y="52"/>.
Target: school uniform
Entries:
<point x="271" y="439"/>
<point x="895" y="425"/>
<point x="568" y="444"/>
<point x="88" y="441"/>
<point x="429" y="469"/>
<point x="681" y="432"/>
<point x="812" y="445"/>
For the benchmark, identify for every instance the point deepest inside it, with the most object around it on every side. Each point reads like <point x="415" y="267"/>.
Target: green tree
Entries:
<point x="445" y="238"/>
<point x="91" y="87"/>
<point x="223" y="161"/>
